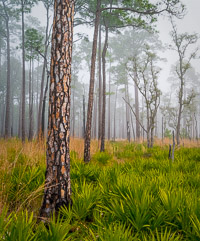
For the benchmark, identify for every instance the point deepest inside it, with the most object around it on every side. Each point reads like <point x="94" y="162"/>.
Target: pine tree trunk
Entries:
<point x="91" y="90"/>
<point x="109" y="117"/>
<point x="114" y="131"/>
<point x="100" y="89"/>
<point x="104" y="92"/>
<point x="43" y="77"/>
<point x="44" y="106"/>
<point x="57" y="191"/>
<point x="83" y="116"/>
<point x="30" y="136"/>
<point x="23" y="118"/>
<point x="137" y="112"/>
<point x="8" y="91"/>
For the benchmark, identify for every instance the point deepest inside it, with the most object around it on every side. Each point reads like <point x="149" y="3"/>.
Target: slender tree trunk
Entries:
<point x="3" y="116"/>
<point x="44" y="105"/>
<point x="109" y="117"/>
<point x="43" y="75"/>
<point x="57" y="191"/>
<point x="8" y="90"/>
<point x="179" y="124"/>
<point x="91" y="90"/>
<point x="73" y="108"/>
<point x="37" y="104"/>
<point x="114" y="131"/>
<point x="100" y="91"/>
<point x="32" y="100"/>
<point x="30" y="137"/>
<point x="104" y="92"/>
<point x="95" y="116"/>
<point x="137" y="112"/>
<point x="128" y="133"/>
<point x="23" y="127"/>
<point x="83" y="116"/>
<point x="20" y="118"/>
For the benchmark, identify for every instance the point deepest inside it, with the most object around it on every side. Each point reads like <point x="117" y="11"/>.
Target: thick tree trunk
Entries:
<point x="57" y="185"/>
<point x="100" y="90"/>
<point x="8" y="90"/>
<point x="23" y="127"/>
<point x="104" y="92"/>
<point x="91" y="90"/>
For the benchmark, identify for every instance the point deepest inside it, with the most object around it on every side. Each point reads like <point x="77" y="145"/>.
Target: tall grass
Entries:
<point x="127" y="193"/>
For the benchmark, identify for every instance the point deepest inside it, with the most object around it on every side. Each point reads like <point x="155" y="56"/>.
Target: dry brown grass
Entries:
<point x="184" y="142"/>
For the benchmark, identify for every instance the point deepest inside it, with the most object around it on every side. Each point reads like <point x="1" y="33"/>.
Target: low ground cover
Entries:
<point x="126" y="193"/>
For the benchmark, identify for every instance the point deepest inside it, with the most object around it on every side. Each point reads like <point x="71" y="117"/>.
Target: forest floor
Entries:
<point x="127" y="193"/>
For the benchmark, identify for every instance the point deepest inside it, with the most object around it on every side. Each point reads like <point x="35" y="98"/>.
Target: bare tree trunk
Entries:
<point x="83" y="116"/>
<point x="30" y="136"/>
<point x="37" y="104"/>
<point x="57" y="191"/>
<point x="95" y="117"/>
<point x="137" y="112"/>
<point x="73" y="108"/>
<point x="114" y="131"/>
<point x="91" y="90"/>
<point x="109" y="117"/>
<point x="23" y="127"/>
<point x="44" y="105"/>
<point x="3" y="117"/>
<point x="128" y="134"/>
<point x="20" y="118"/>
<point x="100" y="91"/>
<point x="8" y="90"/>
<point x="104" y="92"/>
<point x="43" y="75"/>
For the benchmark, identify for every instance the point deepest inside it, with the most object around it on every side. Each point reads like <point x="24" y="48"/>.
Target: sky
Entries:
<point x="190" y="24"/>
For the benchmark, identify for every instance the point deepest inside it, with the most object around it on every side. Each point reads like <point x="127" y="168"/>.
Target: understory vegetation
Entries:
<point x="129" y="192"/>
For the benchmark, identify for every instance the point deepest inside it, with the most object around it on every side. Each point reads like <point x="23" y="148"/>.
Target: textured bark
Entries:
<point x="104" y="92"/>
<point x="23" y="125"/>
<point x="57" y="184"/>
<point x="100" y="88"/>
<point x="8" y="90"/>
<point x="91" y="90"/>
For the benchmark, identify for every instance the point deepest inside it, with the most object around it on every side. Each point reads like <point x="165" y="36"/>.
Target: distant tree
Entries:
<point x="33" y="43"/>
<point x="147" y="83"/>
<point x="57" y="191"/>
<point x="182" y="44"/>
<point x="7" y="13"/>
<point x="41" y="111"/>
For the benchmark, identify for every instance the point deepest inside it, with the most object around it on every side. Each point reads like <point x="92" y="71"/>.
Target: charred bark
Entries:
<point x="57" y="191"/>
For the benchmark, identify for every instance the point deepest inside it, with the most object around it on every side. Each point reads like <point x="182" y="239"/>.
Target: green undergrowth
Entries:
<point x="127" y="193"/>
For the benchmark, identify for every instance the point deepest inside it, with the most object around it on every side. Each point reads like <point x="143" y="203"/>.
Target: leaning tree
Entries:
<point x="57" y="184"/>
